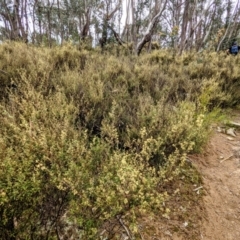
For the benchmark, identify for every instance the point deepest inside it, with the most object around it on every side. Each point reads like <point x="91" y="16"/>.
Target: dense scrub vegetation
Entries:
<point x="87" y="137"/>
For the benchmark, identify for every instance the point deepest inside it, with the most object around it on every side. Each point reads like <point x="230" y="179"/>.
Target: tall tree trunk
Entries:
<point x="185" y="22"/>
<point x="229" y="24"/>
<point x="86" y="26"/>
<point x="60" y="30"/>
<point x="49" y="27"/>
<point x="19" y="26"/>
<point x="150" y="29"/>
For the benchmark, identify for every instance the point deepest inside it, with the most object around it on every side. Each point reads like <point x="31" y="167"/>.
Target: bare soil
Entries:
<point x="220" y="168"/>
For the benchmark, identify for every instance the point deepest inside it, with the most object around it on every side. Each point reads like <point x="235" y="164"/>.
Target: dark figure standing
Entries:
<point x="234" y="49"/>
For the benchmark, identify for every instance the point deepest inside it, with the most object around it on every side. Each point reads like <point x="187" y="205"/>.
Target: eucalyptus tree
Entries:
<point x="141" y="21"/>
<point x="14" y="18"/>
<point x="156" y="12"/>
<point x="178" y="24"/>
<point x="232" y="26"/>
<point x="196" y="24"/>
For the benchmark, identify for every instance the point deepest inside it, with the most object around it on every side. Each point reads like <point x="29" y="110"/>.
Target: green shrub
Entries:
<point x="86" y="137"/>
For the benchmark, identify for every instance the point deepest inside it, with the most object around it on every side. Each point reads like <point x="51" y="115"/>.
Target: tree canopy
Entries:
<point x="178" y="24"/>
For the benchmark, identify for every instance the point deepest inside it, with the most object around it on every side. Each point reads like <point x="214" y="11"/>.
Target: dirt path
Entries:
<point x="220" y="167"/>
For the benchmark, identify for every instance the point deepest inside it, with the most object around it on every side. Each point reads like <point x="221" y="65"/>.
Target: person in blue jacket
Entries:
<point x="234" y="49"/>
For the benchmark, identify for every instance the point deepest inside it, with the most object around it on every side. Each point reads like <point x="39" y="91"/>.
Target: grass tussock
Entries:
<point x="87" y="138"/>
